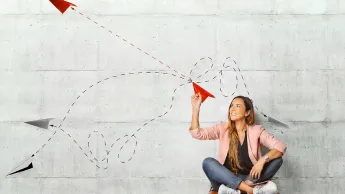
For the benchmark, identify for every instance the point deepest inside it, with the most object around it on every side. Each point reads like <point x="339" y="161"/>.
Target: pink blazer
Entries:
<point x="256" y="135"/>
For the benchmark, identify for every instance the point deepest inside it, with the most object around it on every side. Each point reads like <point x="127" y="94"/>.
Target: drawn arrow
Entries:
<point x="269" y="119"/>
<point x="43" y="123"/>
<point x="23" y="166"/>
<point x="204" y="94"/>
<point x="23" y="169"/>
<point x="62" y="5"/>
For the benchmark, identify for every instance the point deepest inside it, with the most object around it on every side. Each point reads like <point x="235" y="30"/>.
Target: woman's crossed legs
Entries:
<point x="218" y="174"/>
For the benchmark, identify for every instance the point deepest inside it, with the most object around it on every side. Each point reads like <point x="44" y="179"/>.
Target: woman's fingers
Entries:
<point x="253" y="174"/>
<point x="195" y="96"/>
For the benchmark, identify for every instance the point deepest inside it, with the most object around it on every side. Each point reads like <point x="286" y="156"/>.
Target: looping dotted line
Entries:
<point x="127" y="140"/>
<point x="88" y="144"/>
<point x="131" y="44"/>
<point x="118" y="155"/>
<point x="200" y="76"/>
<point x="244" y="82"/>
<point x="163" y="63"/>
<point x="88" y="153"/>
<point x="220" y="78"/>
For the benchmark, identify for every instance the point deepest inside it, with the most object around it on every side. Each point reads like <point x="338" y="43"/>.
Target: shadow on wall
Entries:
<point x="287" y="170"/>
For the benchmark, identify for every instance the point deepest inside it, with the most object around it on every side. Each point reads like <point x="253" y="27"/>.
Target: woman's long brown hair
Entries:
<point x="233" y="145"/>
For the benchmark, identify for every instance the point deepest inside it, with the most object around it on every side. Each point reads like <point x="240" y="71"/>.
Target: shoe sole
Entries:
<point x="260" y="183"/>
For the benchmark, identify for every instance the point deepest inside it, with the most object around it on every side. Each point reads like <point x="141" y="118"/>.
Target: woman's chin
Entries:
<point x="235" y="119"/>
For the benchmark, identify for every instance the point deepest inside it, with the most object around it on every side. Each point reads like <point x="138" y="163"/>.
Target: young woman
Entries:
<point x="240" y="165"/>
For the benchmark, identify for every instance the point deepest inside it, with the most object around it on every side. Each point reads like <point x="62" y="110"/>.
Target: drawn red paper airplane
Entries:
<point x="204" y="94"/>
<point x="62" y="5"/>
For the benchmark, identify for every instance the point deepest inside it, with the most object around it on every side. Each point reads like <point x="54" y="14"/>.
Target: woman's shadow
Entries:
<point x="286" y="171"/>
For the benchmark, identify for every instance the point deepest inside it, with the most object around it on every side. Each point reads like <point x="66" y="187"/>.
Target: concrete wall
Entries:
<point x="290" y="53"/>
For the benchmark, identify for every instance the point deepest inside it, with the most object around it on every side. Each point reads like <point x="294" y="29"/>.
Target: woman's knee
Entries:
<point x="208" y="162"/>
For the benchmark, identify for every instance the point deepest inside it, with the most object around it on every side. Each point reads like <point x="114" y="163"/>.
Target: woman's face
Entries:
<point x="237" y="110"/>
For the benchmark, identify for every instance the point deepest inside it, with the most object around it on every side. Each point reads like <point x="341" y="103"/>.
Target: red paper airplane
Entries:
<point x="204" y="94"/>
<point x="62" y="5"/>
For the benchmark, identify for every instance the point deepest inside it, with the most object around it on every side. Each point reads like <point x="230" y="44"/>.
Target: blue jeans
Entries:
<point x="217" y="174"/>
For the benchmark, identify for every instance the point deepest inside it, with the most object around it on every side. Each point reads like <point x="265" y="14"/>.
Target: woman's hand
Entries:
<point x="196" y="101"/>
<point x="256" y="170"/>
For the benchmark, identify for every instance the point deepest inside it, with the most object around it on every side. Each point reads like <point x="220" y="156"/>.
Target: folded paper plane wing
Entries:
<point x="62" y="5"/>
<point x="204" y="94"/>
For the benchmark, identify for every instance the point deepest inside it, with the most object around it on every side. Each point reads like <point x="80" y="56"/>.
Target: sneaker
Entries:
<point x="268" y="188"/>
<point x="226" y="190"/>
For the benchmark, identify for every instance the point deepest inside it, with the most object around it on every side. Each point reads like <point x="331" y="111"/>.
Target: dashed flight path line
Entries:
<point x="128" y="42"/>
<point x="63" y="6"/>
<point x="105" y="160"/>
<point x="87" y="151"/>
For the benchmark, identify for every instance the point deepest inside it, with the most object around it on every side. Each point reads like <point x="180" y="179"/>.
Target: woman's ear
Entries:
<point x="247" y="113"/>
